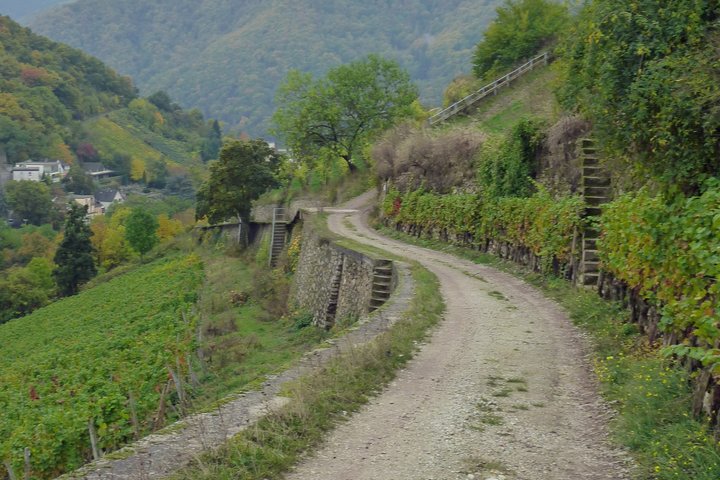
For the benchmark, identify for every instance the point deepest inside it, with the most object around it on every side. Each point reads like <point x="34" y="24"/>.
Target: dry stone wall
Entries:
<point x="334" y="283"/>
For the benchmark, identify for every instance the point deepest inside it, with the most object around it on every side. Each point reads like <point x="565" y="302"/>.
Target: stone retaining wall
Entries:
<point x="332" y="282"/>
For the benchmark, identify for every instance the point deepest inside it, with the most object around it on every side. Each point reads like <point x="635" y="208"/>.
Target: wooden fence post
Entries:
<point x="9" y="468"/>
<point x="133" y="415"/>
<point x="94" y="440"/>
<point x="27" y="463"/>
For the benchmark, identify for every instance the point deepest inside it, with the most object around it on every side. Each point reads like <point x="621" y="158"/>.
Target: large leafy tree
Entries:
<point x="74" y="256"/>
<point x="141" y="230"/>
<point x="78" y="182"/>
<point x="521" y="29"/>
<point x="340" y="112"/>
<point x="29" y="201"/>
<point x="244" y="171"/>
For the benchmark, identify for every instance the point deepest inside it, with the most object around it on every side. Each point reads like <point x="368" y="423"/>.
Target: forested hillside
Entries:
<point x="59" y="103"/>
<point x="228" y="57"/>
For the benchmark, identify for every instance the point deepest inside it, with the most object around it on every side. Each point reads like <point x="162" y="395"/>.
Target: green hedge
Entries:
<point x="668" y="249"/>
<point x="540" y="223"/>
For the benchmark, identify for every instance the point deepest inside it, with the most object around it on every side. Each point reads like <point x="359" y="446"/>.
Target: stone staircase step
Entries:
<point x="596" y="201"/>
<point x="595" y="181"/>
<point x="590" y="256"/>
<point x="593" y="211"/>
<point x="589" y="244"/>
<point x="598" y="191"/>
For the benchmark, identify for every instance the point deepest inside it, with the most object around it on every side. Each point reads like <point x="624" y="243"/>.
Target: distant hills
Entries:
<point x="227" y="57"/>
<point x="24" y="9"/>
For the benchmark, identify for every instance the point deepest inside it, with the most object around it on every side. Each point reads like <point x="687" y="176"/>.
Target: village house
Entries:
<point x="97" y="170"/>
<point x="99" y="203"/>
<point x="108" y="197"/>
<point x="34" y="171"/>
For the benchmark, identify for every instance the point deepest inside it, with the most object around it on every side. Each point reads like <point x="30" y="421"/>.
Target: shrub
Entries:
<point x="668" y="249"/>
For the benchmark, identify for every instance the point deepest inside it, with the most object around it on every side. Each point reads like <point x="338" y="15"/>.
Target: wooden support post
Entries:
<point x="133" y="415"/>
<point x="9" y="468"/>
<point x="27" y="463"/>
<point x="94" y="440"/>
<point x="160" y="415"/>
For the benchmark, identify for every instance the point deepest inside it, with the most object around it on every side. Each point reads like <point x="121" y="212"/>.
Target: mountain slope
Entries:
<point x="59" y="103"/>
<point x="227" y="57"/>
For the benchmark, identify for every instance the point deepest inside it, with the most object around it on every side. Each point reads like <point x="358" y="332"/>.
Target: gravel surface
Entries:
<point x="502" y="390"/>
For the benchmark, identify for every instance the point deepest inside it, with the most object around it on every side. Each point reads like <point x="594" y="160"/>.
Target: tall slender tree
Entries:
<point x="74" y="256"/>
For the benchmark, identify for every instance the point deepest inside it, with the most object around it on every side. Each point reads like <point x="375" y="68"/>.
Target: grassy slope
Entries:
<point x="530" y="96"/>
<point x="243" y="343"/>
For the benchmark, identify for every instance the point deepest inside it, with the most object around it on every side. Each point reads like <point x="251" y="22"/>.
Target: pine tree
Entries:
<point x="74" y="258"/>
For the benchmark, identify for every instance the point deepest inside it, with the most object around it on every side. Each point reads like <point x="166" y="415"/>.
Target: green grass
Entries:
<point x="243" y="343"/>
<point x="650" y="393"/>
<point x="530" y="96"/>
<point x="321" y="400"/>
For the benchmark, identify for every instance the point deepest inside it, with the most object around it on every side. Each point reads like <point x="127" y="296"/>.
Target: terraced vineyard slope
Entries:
<point x="97" y="364"/>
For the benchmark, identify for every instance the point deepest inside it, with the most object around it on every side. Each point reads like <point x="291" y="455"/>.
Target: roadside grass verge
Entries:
<point x="322" y="399"/>
<point x="651" y="394"/>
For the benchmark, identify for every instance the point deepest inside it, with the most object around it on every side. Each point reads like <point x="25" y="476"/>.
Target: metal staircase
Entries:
<point x="279" y="234"/>
<point x="487" y="90"/>
<point x="331" y="311"/>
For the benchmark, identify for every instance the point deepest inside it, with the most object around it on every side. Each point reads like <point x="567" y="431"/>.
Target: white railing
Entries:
<point x="489" y="89"/>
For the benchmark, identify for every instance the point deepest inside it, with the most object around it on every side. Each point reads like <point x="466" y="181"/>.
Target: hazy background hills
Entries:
<point x="23" y="10"/>
<point x="227" y="57"/>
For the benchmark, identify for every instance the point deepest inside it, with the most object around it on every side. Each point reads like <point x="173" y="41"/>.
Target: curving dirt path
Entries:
<point x="503" y="389"/>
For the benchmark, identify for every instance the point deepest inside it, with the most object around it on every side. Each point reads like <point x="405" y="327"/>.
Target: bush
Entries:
<point x="541" y="223"/>
<point x="413" y="157"/>
<point x="507" y="168"/>
<point x="668" y="249"/>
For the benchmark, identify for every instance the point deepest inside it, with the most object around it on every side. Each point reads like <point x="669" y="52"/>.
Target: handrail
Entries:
<point x="492" y="87"/>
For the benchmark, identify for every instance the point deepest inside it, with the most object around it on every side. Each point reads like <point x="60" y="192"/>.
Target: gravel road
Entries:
<point x="502" y="390"/>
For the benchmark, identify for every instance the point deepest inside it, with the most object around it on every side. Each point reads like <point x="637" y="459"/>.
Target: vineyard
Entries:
<point x="91" y="372"/>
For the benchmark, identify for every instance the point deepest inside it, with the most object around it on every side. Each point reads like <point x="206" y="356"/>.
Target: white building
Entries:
<point x="35" y="171"/>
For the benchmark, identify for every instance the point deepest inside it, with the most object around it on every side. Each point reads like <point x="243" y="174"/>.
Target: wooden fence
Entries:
<point x="489" y="89"/>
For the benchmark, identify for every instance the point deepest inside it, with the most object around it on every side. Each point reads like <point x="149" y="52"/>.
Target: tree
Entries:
<point x="74" y="256"/>
<point x="26" y="288"/>
<point x="343" y="110"/>
<point x="157" y="173"/>
<point x="211" y="145"/>
<point x="141" y="230"/>
<point x="521" y="29"/>
<point x="3" y="204"/>
<point x="79" y="182"/>
<point x="29" y="201"/>
<point x="244" y="171"/>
